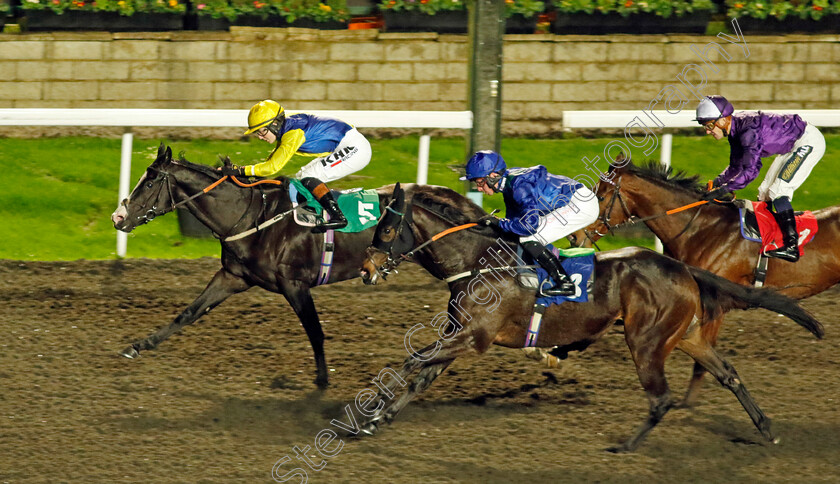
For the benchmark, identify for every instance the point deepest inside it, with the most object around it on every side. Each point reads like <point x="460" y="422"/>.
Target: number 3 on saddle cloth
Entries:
<point x="579" y="264"/>
<point x="759" y="225"/>
<point x="360" y="208"/>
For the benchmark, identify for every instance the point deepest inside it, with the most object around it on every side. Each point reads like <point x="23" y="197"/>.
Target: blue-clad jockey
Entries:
<point x="540" y="207"/>
<point x="756" y="134"/>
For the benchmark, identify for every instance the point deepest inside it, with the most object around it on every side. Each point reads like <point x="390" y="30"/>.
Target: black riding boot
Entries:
<point x="787" y="224"/>
<point x="563" y="285"/>
<point x="325" y="198"/>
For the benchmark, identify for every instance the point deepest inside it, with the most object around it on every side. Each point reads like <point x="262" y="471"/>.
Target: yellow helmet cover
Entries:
<point x="262" y="114"/>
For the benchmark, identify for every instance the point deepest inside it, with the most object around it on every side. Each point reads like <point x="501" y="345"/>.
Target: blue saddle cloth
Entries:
<point x="579" y="265"/>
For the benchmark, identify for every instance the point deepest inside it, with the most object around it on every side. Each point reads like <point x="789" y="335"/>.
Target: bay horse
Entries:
<point x="284" y="257"/>
<point x="663" y="303"/>
<point x="709" y="236"/>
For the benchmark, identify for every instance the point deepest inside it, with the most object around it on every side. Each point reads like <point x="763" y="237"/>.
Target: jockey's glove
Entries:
<point x="489" y="221"/>
<point x="716" y="194"/>
<point x="233" y="170"/>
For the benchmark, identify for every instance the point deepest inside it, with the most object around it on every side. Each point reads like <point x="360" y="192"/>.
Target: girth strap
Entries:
<point x="534" y="326"/>
<point x="327" y="257"/>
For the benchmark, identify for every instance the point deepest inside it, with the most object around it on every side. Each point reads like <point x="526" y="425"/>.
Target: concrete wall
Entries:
<point x="543" y="74"/>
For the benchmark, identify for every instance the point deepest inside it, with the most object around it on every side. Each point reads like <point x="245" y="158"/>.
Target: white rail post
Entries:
<point x="125" y="179"/>
<point x="665" y="160"/>
<point x="423" y="159"/>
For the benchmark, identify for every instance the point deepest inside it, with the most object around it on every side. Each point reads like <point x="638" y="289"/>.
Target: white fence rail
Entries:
<point x="225" y="118"/>
<point x="654" y="120"/>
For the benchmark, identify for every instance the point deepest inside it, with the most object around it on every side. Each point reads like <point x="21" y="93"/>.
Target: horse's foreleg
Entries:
<point x="299" y="297"/>
<point x="223" y="285"/>
<point x="418" y="385"/>
<point x="430" y="361"/>
<point x="710" y="333"/>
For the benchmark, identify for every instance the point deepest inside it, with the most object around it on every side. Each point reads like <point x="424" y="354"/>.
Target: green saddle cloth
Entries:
<point x="360" y="207"/>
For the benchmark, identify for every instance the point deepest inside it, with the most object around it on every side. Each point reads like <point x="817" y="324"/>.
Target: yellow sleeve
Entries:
<point x="288" y="146"/>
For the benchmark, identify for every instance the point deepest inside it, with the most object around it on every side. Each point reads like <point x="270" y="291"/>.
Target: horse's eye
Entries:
<point x="150" y="185"/>
<point x="387" y="230"/>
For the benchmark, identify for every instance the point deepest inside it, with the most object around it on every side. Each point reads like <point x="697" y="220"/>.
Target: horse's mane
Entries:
<point x="654" y="171"/>
<point x="447" y="202"/>
<point x="454" y="207"/>
<point x="215" y="174"/>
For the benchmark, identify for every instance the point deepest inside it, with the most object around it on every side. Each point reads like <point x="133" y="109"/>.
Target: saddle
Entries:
<point x="578" y="263"/>
<point x="360" y="207"/>
<point x="759" y="225"/>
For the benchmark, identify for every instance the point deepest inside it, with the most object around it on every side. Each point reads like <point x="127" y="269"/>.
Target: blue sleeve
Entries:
<point x="527" y="222"/>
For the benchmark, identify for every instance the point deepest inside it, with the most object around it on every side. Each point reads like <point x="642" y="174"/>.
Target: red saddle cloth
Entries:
<point x="771" y="236"/>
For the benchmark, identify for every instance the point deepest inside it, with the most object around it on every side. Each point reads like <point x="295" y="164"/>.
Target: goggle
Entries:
<point x="262" y="132"/>
<point x="710" y="125"/>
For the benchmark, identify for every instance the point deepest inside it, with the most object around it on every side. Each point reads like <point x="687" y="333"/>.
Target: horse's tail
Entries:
<point x="719" y="295"/>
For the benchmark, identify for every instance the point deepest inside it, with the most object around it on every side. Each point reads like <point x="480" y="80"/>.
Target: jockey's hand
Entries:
<point x="720" y="193"/>
<point x="489" y="221"/>
<point x="232" y="170"/>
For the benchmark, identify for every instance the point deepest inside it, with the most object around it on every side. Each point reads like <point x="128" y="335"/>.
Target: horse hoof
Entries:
<point x="322" y="384"/>
<point x="368" y="430"/>
<point x="130" y="353"/>
<point x="618" y="449"/>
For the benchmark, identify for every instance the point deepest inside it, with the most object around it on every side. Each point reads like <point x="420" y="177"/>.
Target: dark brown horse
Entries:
<point x="663" y="303"/>
<point x="709" y="236"/>
<point x="282" y="257"/>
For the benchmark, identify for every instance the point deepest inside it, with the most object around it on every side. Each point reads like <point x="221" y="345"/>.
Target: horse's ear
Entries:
<point x="225" y="160"/>
<point x="168" y="154"/>
<point x="621" y="161"/>
<point x="161" y="149"/>
<point x="399" y="197"/>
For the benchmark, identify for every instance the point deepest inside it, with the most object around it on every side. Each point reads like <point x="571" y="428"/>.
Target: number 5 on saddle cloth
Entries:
<point x="360" y="207"/>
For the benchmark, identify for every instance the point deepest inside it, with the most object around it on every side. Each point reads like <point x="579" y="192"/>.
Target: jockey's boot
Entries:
<point x="787" y="224"/>
<point x="563" y="285"/>
<point x="321" y="193"/>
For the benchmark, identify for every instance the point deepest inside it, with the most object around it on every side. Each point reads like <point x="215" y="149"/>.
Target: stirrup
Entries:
<point x="322" y="225"/>
<point x="563" y="288"/>
<point x="790" y="254"/>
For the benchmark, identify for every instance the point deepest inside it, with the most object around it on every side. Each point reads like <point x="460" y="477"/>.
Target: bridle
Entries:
<point x="632" y="219"/>
<point x="393" y="260"/>
<point x="154" y="211"/>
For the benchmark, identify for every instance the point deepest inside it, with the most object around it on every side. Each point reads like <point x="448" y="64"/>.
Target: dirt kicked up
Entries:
<point x="228" y="398"/>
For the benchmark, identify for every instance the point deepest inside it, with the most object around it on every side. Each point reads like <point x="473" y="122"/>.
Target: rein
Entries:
<point x="155" y="212"/>
<point x="632" y="219"/>
<point x="391" y="263"/>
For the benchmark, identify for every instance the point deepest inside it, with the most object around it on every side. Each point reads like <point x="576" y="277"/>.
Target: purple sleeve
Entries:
<point x="744" y="163"/>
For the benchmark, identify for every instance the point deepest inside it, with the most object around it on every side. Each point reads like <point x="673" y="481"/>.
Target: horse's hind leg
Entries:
<point x="299" y="297"/>
<point x="703" y="353"/>
<point x="223" y="285"/>
<point x="710" y="332"/>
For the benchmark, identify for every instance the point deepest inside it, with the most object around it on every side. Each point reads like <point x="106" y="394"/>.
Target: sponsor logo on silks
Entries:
<point x="790" y="168"/>
<point x="339" y="155"/>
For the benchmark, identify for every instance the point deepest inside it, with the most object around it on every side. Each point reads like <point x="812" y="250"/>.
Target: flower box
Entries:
<point x="205" y="22"/>
<point x="776" y="16"/>
<point x="47" y="20"/>
<point x="598" y="23"/>
<point x="449" y="22"/>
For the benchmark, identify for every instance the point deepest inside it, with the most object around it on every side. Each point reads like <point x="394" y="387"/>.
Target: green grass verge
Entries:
<point x="58" y="193"/>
